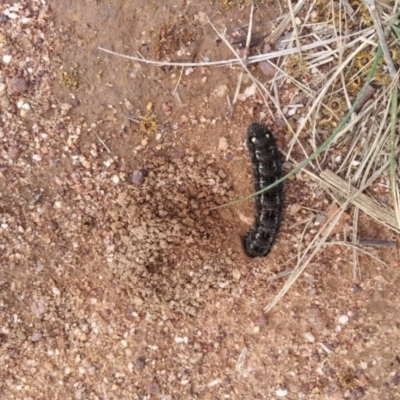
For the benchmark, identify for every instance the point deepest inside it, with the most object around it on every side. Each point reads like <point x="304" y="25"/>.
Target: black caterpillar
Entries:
<point x="267" y="169"/>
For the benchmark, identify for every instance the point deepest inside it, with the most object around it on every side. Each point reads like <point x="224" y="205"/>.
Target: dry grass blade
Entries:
<point x="277" y="33"/>
<point x="371" y="4"/>
<point x="365" y="203"/>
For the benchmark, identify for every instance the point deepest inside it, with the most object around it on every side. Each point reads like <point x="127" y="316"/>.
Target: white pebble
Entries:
<point x="115" y="179"/>
<point x="363" y="365"/>
<point x="343" y="319"/>
<point x="56" y="291"/>
<point x="36" y="157"/>
<point x="292" y="111"/>
<point x="309" y="337"/>
<point x="58" y="204"/>
<point x="189" y="71"/>
<point x="6" y="59"/>
<point x="297" y="21"/>
<point x="281" y="392"/>
<point x="181" y="339"/>
<point x="215" y="382"/>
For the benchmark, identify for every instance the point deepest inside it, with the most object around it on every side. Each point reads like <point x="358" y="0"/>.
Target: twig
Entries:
<point x="280" y="275"/>
<point x="102" y="142"/>
<point x="246" y="50"/>
<point x="277" y="33"/>
<point x="251" y="60"/>
<point x="179" y="80"/>
<point x="370" y="206"/>
<point x="371" y="5"/>
<point x="376" y="243"/>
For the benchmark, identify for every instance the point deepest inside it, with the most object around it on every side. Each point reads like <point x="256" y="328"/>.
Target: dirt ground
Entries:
<point x="117" y="280"/>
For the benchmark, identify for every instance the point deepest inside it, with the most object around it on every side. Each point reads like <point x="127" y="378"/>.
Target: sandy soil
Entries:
<point x="117" y="281"/>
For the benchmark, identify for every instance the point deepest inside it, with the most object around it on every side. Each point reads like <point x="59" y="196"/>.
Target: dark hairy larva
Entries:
<point x="267" y="169"/>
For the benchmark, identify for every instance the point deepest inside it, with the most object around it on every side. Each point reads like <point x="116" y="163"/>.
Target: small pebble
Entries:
<point x="261" y="320"/>
<point x="343" y="319"/>
<point x="236" y="274"/>
<point x="17" y="86"/>
<point x="115" y="179"/>
<point x="355" y="289"/>
<point x="189" y="71"/>
<point x="137" y="178"/>
<point x="13" y="152"/>
<point x="153" y="388"/>
<point x="56" y="291"/>
<point x="221" y="91"/>
<point x="7" y="59"/>
<point x="196" y="358"/>
<point x="36" y="337"/>
<point x="320" y="219"/>
<point x="309" y="337"/>
<point x="281" y="392"/>
<point x="223" y="144"/>
<point x="139" y="364"/>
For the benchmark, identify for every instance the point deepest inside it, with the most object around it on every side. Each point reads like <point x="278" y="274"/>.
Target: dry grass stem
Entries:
<point x="371" y="207"/>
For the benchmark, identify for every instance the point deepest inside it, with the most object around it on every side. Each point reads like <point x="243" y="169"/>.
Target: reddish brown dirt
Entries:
<point x="111" y="290"/>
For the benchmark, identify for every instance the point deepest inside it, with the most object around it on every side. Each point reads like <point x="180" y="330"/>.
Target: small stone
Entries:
<point x="357" y="393"/>
<point x="115" y="179"/>
<point x="137" y="301"/>
<point x="196" y="358"/>
<point x="36" y="157"/>
<point x="137" y="178"/>
<point x="36" y="337"/>
<point x="189" y="71"/>
<point x="56" y="291"/>
<point x="13" y="152"/>
<point x="355" y="289"/>
<point x="17" y="86"/>
<point x="7" y="59"/>
<point x="221" y="91"/>
<point x="294" y="208"/>
<point x="267" y="68"/>
<point x="139" y="364"/>
<point x="309" y="337"/>
<point x="281" y="392"/>
<point x="223" y="144"/>
<point x="395" y="379"/>
<point x="236" y="274"/>
<point x="261" y="320"/>
<point x="3" y="89"/>
<point x="343" y="319"/>
<point x="320" y="219"/>
<point x="153" y="388"/>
